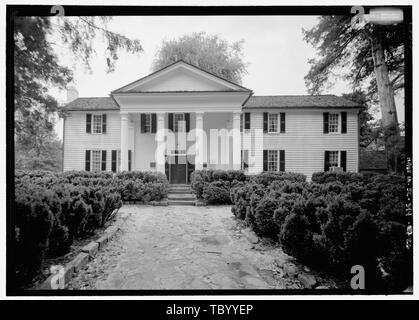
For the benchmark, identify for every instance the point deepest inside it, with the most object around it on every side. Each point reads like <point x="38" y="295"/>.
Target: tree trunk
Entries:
<point x="386" y="99"/>
<point x="384" y="88"/>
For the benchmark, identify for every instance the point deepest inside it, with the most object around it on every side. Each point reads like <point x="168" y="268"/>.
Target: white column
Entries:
<point x="199" y="142"/>
<point x="236" y="141"/>
<point x="124" y="141"/>
<point x="161" y="147"/>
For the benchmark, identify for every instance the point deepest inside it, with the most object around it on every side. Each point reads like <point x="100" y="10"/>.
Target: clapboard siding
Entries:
<point x="304" y="141"/>
<point x="76" y="140"/>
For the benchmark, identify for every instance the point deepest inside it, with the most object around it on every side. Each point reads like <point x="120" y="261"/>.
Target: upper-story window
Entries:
<point x="147" y="122"/>
<point x="179" y="123"/>
<point x="333" y="122"/>
<point x="97" y="123"/>
<point x="272" y="122"/>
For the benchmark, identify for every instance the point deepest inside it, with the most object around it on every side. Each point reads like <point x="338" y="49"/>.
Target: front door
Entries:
<point x="178" y="169"/>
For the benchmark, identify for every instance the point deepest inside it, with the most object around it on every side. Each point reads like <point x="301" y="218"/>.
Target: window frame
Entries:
<point x="97" y="116"/>
<point x="92" y="158"/>
<point x="277" y="123"/>
<point x="150" y="123"/>
<point x="337" y="159"/>
<point x="273" y="162"/>
<point x="337" y="122"/>
<point x="175" y="121"/>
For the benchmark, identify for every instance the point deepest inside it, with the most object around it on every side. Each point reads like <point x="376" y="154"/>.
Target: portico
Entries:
<point x="178" y="120"/>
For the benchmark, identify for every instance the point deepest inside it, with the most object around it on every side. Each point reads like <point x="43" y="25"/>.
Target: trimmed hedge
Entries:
<point x="334" y="225"/>
<point x="213" y="186"/>
<point x="51" y="210"/>
<point x="201" y="179"/>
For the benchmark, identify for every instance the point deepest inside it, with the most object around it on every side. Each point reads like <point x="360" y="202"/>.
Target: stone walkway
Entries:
<point x="183" y="248"/>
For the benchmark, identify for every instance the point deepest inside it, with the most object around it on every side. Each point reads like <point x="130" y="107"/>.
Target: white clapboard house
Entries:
<point x="208" y="122"/>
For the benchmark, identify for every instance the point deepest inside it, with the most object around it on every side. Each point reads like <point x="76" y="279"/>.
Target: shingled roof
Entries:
<point x="299" y="101"/>
<point x="99" y="103"/>
<point x="303" y="101"/>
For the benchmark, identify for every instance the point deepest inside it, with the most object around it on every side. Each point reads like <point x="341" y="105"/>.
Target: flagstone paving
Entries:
<point x="183" y="248"/>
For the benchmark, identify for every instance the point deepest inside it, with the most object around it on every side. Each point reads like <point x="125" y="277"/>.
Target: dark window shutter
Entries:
<point x="281" y="160"/>
<point x="170" y="126"/>
<point x="113" y="165"/>
<point x="282" y="122"/>
<point x="343" y="160"/>
<point x="343" y="116"/>
<point x="191" y="168"/>
<point x="265" y="122"/>
<point x="247" y="120"/>
<point x="103" y="160"/>
<point x="143" y="123"/>
<point x="87" y="162"/>
<point x="153" y="123"/>
<point x="88" y="123"/>
<point x="245" y="159"/>
<point x="188" y="122"/>
<point x="265" y="160"/>
<point x="103" y="123"/>
<point x="325" y="122"/>
<point x="166" y="168"/>
<point x="129" y="160"/>
<point x="326" y="161"/>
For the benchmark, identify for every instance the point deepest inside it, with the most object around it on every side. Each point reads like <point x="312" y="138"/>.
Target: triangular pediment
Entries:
<point x="180" y="77"/>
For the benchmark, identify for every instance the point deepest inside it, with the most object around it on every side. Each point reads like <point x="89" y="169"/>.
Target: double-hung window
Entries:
<point x="179" y="123"/>
<point x="147" y="123"/>
<point x="96" y="160"/>
<point x="333" y="122"/>
<point x="97" y="123"/>
<point x="273" y="160"/>
<point x="334" y="158"/>
<point x="272" y="122"/>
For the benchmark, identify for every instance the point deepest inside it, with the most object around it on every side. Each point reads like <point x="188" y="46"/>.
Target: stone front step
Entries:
<point x="181" y="196"/>
<point x="180" y="190"/>
<point x="180" y="186"/>
<point x="181" y="202"/>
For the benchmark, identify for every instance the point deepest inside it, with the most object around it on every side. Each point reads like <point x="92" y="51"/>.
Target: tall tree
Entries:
<point x="368" y="131"/>
<point x="209" y="52"/>
<point x="372" y="55"/>
<point x="37" y="68"/>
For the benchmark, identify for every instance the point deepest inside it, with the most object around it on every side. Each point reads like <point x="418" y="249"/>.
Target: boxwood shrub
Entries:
<point x="333" y="222"/>
<point x="51" y="210"/>
<point x="204" y="188"/>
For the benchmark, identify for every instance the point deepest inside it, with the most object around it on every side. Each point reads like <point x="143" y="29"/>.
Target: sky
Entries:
<point x="274" y="49"/>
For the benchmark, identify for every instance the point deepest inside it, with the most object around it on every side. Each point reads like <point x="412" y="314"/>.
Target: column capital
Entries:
<point x="199" y="114"/>
<point x="237" y="115"/>
<point x="124" y="115"/>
